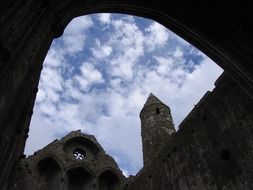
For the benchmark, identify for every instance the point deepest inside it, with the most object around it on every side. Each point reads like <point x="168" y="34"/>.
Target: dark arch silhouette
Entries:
<point x="84" y="141"/>
<point x="188" y="20"/>
<point x="220" y="29"/>
<point x="48" y="156"/>
<point x="108" y="180"/>
<point x="78" y="178"/>
<point x="48" y="174"/>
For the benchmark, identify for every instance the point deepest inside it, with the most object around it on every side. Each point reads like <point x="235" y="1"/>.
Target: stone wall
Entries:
<point x="222" y="30"/>
<point x="213" y="148"/>
<point x="75" y="162"/>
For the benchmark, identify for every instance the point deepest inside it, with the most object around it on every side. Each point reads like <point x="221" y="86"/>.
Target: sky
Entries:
<point x="98" y="75"/>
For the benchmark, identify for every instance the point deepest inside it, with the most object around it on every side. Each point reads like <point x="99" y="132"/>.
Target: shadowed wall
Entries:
<point x="213" y="148"/>
<point x="221" y="29"/>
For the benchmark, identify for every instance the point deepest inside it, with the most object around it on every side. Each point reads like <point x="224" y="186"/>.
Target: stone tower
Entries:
<point x="156" y="127"/>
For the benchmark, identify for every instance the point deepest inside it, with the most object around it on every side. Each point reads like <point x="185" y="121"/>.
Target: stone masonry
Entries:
<point x="156" y="127"/>
<point x="213" y="147"/>
<point x="75" y="162"/>
<point x="207" y="152"/>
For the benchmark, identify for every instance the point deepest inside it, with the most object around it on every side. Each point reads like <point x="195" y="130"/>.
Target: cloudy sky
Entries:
<point x="98" y="75"/>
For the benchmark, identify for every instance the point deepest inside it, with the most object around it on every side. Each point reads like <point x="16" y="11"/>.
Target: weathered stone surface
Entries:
<point x="213" y="148"/>
<point x="221" y="29"/>
<point x="156" y="127"/>
<point x="75" y="162"/>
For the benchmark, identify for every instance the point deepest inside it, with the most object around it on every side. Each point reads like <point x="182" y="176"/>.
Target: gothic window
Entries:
<point x="157" y="111"/>
<point x="79" y="154"/>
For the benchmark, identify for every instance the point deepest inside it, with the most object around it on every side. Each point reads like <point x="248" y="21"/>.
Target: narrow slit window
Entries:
<point x="157" y="111"/>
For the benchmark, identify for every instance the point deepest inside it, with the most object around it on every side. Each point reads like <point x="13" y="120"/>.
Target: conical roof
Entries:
<point x="152" y="99"/>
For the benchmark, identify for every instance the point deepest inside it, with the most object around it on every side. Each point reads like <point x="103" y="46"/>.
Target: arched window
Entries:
<point x="78" y="178"/>
<point x="157" y="110"/>
<point x="108" y="180"/>
<point x="48" y="175"/>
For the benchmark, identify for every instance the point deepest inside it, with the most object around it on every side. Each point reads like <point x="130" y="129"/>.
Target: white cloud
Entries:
<point x="54" y="76"/>
<point x="178" y="52"/>
<point x="164" y="66"/>
<point x="123" y="70"/>
<point x="54" y="58"/>
<point x="74" y="35"/>
<point x="89" y="75"/>
<point x="104" y="18"/>
<point x="156" y="36"/>
<point x="41" y="133"/>
<point x="41" y="95"/>
<point x="127" y="42"/>
<point x="48" y="108"/>
<point x="90" y="72"/>
<point x="100" y="52"/>
<point x="71" y="90"/>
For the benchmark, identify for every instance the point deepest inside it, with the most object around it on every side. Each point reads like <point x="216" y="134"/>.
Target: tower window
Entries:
<point x="79" y="154"/>
<point x="157" y="110"/>
<point x="225" y="154"/>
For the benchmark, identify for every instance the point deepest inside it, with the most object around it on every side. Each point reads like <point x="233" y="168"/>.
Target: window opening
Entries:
<point x="79" y="154"/>
<point x="157" y="111"/>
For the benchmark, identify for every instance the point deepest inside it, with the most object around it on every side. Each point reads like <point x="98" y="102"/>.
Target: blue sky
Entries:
<point x="98" y="75"/>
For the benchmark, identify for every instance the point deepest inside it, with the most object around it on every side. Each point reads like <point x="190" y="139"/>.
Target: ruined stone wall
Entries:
<point x="222" y="30"/>
<point x="213" y="148"/>
<point x="56" y="167"/>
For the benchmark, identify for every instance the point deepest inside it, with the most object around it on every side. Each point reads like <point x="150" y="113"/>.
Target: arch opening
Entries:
<point x="219" y="43"/>
<point x="193" y="34"/>
<point x="79" y="178"/>
<point x="108" y="180"/>
<point x="72" y="144"/>
<point x="48" y="175"/>
<point x="114" y="62"/>
<point x="157" y="110"/>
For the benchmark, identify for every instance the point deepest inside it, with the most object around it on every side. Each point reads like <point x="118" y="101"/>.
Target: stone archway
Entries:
<point x="27" y="28"/>
<point x="108" y="180"/>
<point x="48" y="174"/>
<point x="79" y="178"/>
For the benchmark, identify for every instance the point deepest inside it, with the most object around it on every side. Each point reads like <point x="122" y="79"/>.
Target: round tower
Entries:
<point x="156" y="127"/>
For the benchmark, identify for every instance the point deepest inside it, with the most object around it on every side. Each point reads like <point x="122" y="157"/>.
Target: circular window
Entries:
<point x="79" y="154"/>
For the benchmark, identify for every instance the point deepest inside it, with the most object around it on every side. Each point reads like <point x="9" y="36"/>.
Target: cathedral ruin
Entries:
<point x="213" y="148"/>
<point x="77" y="161"/>
<point x="171" y="158"/>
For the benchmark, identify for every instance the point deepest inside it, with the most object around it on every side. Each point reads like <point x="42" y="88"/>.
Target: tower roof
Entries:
<point x="152" y="99"/>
